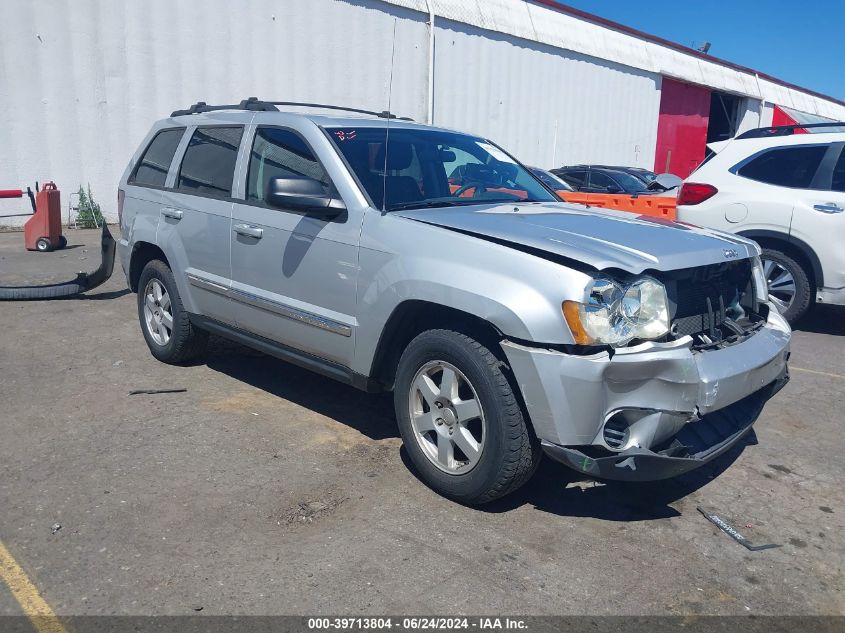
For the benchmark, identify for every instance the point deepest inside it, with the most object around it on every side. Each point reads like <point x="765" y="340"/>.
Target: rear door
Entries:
<point x="196" y="218"/>
<point x="144" y="186"/>
<point x="294" y="276"/>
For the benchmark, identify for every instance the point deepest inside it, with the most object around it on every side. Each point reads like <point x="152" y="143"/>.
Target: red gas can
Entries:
<point x="43" y="231"/>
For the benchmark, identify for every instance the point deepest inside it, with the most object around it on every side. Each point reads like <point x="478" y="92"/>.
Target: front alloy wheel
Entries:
<point x="446" y="416"/>
<point x="461" y="422"/>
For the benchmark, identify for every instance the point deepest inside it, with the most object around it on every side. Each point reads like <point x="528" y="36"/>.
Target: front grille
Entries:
<point x="701" y="299"/>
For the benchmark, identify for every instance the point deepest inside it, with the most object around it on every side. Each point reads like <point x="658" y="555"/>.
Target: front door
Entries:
<point x="819" y="216"/>
<point x="293" y="275"/>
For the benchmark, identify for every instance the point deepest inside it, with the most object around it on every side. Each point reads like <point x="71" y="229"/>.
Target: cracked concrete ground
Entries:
<point x="265" y="489"/>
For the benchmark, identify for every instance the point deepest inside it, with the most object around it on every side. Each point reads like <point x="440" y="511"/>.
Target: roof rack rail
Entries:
<point x="786" y="130"/>
<point x="257" y="105"/>
<point x="253" y="103"/>
<point x="384" y="114"/>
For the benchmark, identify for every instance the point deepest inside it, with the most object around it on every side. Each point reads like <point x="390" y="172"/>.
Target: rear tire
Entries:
<point x="164" y="322"/>
<point x="43" y="245"/>
<point x="62" y="242"/>
<point x="789" y="284"/>
<point x="494" y="426"/>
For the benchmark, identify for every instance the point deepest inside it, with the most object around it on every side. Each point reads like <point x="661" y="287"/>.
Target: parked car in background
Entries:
<point x="507" y="323"/>
<point x="641" y="201"/>
<point x="589" y="179"/>
<point x="787" y="192"/>
<point x="646" y="176"/>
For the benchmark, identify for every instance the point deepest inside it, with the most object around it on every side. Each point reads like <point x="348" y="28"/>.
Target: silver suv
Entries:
<point x="396" y="256"/>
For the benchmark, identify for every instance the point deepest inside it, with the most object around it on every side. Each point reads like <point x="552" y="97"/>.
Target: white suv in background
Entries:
<point x="786" y="191"/>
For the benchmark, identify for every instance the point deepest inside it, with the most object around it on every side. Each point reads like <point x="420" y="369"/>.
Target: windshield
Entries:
<point x="644" y="175"/>
<point x="424" y="167"/>
<point x="550" y="179"/>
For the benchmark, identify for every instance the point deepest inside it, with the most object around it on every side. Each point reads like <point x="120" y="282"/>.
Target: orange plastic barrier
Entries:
<point x="654" y="206"/>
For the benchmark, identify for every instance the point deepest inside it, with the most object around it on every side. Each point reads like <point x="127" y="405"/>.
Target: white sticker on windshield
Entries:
<point x="495" y="152"/>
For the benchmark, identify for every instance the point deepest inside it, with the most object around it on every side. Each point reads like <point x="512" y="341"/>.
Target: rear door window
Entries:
<point x="208" y="166"/>
<point x="155" y="162"/>
<point x="280" y="153"/>
<point x="785" y="166"/>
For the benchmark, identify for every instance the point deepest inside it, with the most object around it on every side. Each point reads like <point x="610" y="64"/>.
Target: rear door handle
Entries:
<point x="830" y="207"/>
<point x="170" y="212"/>
<point x="249" y="230"/>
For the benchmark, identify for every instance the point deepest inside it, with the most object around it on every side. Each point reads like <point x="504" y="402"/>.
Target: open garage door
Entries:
<point x="682" y="127"/>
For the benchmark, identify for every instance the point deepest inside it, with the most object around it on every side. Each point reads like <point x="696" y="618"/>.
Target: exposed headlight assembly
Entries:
<point x="615" y="314"/>
<point x="761" y="284"/>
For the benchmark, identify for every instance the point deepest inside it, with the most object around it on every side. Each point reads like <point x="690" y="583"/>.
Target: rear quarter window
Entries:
<point x="155" y="162"/>
<point x="792" y="167"/>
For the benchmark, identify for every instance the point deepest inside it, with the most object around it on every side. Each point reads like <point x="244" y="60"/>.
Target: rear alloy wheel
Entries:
<point x="43" y="245"/>
<point x="789" y="285"/>
<point x="169" y="333"/>
<point x="461" y="422"/>
<point x="157" y="312"/>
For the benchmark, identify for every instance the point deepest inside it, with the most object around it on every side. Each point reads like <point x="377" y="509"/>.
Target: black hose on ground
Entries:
<point x="82" y="283"/>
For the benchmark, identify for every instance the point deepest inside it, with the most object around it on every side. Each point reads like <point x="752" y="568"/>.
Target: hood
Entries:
<point x="599" y="238"/>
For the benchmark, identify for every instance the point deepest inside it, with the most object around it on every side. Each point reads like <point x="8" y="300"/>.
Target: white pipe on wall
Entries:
<point x="430" y="105"/>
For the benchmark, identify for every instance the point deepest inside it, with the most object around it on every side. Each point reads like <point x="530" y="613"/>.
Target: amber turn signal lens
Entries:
<point x="572" y="314"/>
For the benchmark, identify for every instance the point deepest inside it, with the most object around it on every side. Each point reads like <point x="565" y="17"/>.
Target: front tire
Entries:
<point x="164" y="322"/>
<point x="789" y="284"/>
<point x="460" y="421"/>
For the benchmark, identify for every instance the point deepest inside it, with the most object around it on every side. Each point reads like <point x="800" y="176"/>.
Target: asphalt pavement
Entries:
<point x="265" y="489"/>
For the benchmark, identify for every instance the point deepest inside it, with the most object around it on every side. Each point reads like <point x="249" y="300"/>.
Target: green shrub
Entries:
<point x="89" y="215"/>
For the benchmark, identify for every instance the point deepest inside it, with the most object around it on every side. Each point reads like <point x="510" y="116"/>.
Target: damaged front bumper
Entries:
<point x="81" y="283"/>
<point x="651" y="411"/>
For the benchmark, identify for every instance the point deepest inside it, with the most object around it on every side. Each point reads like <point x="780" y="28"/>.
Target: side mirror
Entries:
<point x="303" y="194"/>
<point x="666" y="182"/>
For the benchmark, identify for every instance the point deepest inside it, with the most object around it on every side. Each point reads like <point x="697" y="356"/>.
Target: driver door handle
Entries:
<point x="829" y="207"/>
<point x="170" y="212"/>
<point x="249" y="230"/>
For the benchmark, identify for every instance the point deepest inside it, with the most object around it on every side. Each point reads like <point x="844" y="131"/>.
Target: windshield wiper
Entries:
<point x="428" y="204"/>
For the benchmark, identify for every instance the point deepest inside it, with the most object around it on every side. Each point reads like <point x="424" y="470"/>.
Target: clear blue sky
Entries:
<point x="799" y="41"/>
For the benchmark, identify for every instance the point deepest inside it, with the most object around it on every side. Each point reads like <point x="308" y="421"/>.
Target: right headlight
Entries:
<point x="615" y="314"/>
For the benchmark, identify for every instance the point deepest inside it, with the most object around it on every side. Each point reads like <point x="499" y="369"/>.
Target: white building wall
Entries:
<point x="82" y="80"/>
<point x="548" y="106"/>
